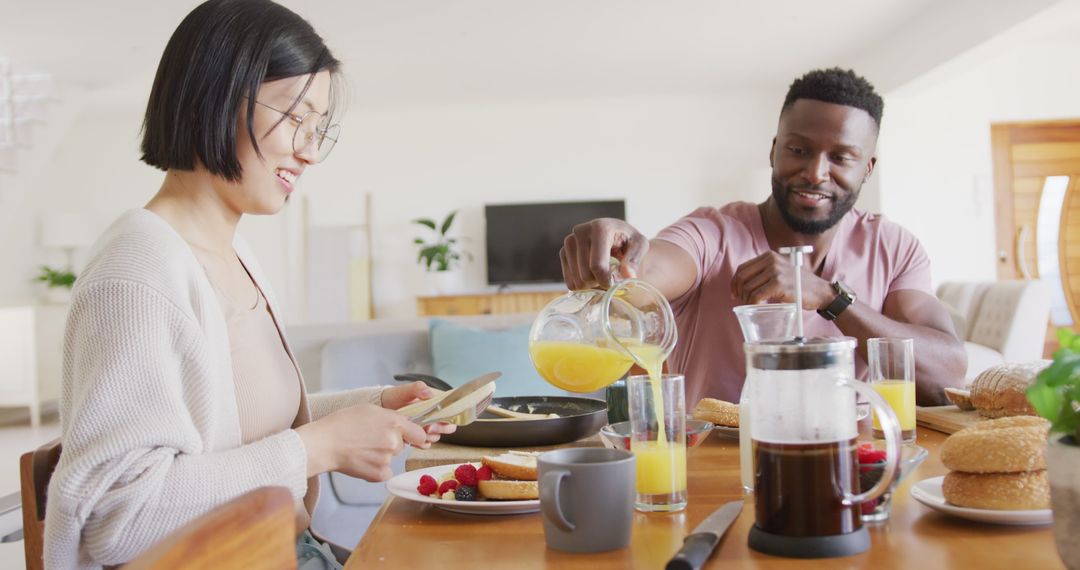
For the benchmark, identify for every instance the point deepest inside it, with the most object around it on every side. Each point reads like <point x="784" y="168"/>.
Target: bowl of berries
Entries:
<point x="617" y="435"/>
<point x="871" y="468"/>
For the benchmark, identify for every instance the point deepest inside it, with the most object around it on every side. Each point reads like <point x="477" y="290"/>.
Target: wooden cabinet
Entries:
<point x="485" y="304"/>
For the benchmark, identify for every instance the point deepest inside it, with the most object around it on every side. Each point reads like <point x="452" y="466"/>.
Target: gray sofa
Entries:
<point x="343" y="356"/>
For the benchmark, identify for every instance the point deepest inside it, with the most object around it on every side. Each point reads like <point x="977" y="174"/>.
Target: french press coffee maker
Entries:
<point x="803" y="423"/>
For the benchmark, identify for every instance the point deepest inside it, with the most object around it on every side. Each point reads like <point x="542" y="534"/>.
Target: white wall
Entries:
<point x="664" y="155"/>
<point x="936" y="172"/>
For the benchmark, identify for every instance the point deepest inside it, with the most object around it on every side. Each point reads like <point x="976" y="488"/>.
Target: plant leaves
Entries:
<point x="446" y="223"/>
<point x="425" y="222"/>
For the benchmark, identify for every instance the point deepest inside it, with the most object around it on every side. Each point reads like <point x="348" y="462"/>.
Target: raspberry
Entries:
<point x="427" y="485"/>
<point x="466" y="474"/>
<point x="871" y="455"/>
<point x="483" y="473"/>
<point x="465" y="493"/>
<point x="448" y="486"/>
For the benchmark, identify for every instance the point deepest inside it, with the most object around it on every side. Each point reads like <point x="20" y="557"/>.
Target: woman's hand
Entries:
<point x="360" y="441"/>
<point x="397" y="396"/>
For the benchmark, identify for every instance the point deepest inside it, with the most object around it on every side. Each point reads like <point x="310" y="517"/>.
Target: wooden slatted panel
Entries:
<point x="1026" y="195"/>
<point x="1045" y="151"/>
<point x="1069" y="248"/>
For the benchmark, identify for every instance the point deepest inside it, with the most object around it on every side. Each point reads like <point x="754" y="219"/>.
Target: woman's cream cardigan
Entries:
<point x="149" y="425"/>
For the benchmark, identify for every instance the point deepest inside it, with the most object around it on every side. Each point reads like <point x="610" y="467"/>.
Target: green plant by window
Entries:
<point x="1056" y="391"/>
<point x="443" y="252"/>
<point x="56" y="277"/>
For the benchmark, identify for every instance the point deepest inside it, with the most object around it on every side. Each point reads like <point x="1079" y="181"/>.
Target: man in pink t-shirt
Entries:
<point x="867" y="277"/>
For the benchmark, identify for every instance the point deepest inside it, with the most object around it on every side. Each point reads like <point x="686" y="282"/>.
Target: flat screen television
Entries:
<point x="523" y="240"/>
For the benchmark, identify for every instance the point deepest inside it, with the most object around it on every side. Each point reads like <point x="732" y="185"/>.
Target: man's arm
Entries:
<point x="940" y="359"/>
<point x="586" y="255"/>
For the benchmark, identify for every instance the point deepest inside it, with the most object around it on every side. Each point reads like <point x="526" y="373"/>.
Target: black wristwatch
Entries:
<point x="844" y="298"/>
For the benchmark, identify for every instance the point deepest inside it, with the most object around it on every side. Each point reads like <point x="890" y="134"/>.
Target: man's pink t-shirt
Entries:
<point x="870" y="254"/>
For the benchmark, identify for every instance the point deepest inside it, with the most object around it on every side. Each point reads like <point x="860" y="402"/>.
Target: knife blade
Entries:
<point x="699" y="545"/>
<point x="457" y="394"/>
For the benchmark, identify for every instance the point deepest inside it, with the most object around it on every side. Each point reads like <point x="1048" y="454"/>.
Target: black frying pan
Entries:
<point x="578" y="418"/>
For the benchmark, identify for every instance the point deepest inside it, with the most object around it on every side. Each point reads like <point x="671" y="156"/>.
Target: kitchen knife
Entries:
<point x="451" y="397"/>
<point x="699" y="545"/>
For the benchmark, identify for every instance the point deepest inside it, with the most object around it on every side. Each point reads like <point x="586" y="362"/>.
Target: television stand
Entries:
<point x="502" y="302"/>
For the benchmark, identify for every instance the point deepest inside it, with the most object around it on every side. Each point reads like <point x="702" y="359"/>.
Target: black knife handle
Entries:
<point x="695" y="550"/>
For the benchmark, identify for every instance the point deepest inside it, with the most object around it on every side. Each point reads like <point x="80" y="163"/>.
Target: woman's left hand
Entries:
<point x="395" y="397"/>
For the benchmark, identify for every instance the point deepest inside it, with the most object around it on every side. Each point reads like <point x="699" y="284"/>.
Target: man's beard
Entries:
<point x="811" y="227"/>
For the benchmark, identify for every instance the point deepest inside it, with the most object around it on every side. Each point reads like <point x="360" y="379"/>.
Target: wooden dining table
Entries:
<point x="407" y="534"/>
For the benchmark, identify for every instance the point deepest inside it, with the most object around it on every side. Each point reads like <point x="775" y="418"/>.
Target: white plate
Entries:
<point x="928" y="492"/>
<point x="404" y="486"/>
<point x="727" y="432"/>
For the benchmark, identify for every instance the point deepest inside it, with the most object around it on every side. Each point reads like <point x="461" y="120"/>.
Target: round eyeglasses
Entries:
<point x="309" y="131"/>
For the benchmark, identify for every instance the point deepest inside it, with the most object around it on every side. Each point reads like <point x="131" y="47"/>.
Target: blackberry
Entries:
<point x="465" y="493"/>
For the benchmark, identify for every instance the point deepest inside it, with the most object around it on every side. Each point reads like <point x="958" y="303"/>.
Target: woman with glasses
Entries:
<point x="180" y="392"/>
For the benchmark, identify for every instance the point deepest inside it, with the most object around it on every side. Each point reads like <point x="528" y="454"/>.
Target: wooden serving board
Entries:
<point x="946" y="419"/>
<point x="445" y="453"/>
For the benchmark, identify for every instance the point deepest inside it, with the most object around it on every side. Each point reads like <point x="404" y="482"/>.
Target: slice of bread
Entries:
<point x="504" y="490"/>
<point x="960" y="397"/>
<point x="512" y="466"/>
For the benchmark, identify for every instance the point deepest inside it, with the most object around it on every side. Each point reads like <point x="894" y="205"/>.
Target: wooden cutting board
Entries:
<point x="946" y="419"/>
<point x="444" y="453"/>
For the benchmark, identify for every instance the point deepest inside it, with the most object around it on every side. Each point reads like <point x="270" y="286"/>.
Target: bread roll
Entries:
<point x="718" y="412"/>
<point x="512" y="465"/>
<point x="999" y="391"/>
<point x="1005" y="445"/>
<point x="504" y="490"/>
<point x="1003" y="491"/>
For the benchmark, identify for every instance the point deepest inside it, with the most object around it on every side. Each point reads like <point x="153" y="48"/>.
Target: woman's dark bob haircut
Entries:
<point x="219" y="55"/>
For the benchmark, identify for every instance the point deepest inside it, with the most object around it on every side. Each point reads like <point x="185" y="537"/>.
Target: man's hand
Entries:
<point x="770" y="278"/>
<point x="586" y="253"/>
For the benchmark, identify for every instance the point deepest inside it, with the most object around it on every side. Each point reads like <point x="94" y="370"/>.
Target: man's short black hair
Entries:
<point x="839" y="86"/>
<point x="212" y="67"/>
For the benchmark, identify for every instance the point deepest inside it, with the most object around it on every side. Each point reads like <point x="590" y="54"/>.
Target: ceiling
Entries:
<point x="402" y="51"/>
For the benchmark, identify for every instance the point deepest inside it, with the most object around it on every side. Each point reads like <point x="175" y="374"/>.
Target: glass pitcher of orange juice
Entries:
<point x="585" y="340"/>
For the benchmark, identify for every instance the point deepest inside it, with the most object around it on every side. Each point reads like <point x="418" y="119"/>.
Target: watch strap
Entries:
<point x="844" y="299"/>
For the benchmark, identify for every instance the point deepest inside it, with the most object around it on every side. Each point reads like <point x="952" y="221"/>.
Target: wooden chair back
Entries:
<point x="255" y="530"/>
<point x="35" y="469"/>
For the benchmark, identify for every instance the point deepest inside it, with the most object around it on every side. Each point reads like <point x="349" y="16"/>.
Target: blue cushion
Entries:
<point x="461" y="353"/>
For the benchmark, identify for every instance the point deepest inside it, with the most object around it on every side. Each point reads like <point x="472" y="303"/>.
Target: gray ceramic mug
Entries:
<point x="587" y="498"/>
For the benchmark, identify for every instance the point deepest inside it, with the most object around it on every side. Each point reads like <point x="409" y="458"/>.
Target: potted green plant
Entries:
<point x="58" y="283"/>
<point x="439" y="253"/>
<point x="1055" y="394"/>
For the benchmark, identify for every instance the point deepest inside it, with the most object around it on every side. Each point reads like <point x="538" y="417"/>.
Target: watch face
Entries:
<point x="844" y="290"/>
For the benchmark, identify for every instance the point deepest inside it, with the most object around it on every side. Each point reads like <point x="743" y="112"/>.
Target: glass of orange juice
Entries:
<point x="658" y="439"/>
<point x="892" y="374"/>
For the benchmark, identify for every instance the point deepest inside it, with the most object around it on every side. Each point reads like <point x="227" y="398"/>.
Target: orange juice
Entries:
<point x="661" y="467"/>
<point x="578" y="367"/>
<point x="900" y="395"/>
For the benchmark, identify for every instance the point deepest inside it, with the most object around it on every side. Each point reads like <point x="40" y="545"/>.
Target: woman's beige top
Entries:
<point x="267" y="383"/>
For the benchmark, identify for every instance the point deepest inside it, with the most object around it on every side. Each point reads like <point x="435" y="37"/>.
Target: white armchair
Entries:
<point x="1002" y="321"/>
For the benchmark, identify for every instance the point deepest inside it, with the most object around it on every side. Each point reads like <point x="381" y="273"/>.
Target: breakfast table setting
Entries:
<point x="410" y="534"/>
<point x="813" y="467"/>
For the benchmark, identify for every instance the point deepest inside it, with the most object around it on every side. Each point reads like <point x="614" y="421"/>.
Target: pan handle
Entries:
<point x="432" y="381"/>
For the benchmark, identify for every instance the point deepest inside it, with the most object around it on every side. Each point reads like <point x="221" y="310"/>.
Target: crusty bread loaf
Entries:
<point x="999" y="391"/>
<point x="960" y="397"/>
<point x="1004" y="445"/>
<point x="521" y="466"/>
<point x="506" y="490"/>
<point x="718" y="412"/>
<point x="1006" y="491"/>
